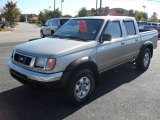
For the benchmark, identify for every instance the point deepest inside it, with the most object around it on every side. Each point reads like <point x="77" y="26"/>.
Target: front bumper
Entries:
<point x="35" y="76"/>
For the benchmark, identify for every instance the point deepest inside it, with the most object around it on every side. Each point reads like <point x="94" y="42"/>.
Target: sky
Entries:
<point x="72" y="7"/>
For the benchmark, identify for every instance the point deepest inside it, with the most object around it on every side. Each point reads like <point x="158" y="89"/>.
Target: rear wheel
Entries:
<point x="143" y="61"/>
<point x="80" y="87"/>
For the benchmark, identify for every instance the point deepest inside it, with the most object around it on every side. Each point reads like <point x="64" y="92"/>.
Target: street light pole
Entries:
<point x="96" y="7"/>
<point x="144" y="8"/>
<point x="54" y="5"/>
<point x="61" y="5"/>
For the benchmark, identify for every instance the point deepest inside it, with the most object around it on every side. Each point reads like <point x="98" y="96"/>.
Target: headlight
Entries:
<point x="45" y="63"/>
<point x="40" y="63"/>
<point x="50" y="64"/>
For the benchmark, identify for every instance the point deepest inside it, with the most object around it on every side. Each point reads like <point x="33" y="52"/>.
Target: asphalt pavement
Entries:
<point x="123" y="94"/>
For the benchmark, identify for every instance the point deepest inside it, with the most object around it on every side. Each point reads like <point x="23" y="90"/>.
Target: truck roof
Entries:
<point x="106" y="17"/>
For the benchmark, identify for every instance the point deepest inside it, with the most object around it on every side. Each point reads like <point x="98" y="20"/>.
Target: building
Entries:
<point x="113" y="12"/>
<point x="34" y="17"/>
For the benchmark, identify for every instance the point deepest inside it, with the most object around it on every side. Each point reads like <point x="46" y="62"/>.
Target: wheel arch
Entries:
<point x="84" y="63"/>
<point x="148" y="45"/>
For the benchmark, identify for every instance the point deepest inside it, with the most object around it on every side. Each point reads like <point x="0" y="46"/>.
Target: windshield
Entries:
<point x="80" y="29"/>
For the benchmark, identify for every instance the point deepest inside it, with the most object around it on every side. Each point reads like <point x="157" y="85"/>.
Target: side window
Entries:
<point x="114" y="29"/>
<point x="55" y="22"/>
<point x="130" y="27"/>
<point x="62" y="21"/>
<point x="50" y="23"/>
<point x="47" y="23"/>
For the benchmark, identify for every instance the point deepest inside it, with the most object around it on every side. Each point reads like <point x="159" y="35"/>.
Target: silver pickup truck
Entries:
<point x="79" y="51"/>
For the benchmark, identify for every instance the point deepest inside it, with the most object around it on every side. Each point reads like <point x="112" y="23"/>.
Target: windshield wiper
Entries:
<point x="57" y="36"/>
<point x="69" y="37"/>
<point x="73" y="37"/>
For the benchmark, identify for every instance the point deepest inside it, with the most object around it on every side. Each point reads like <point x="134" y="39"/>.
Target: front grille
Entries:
<point x="23" y="59"/>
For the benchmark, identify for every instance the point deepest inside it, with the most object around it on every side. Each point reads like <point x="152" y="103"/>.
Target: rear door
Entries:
<point x="133" y="41"/>
<point x="111" y="53"/>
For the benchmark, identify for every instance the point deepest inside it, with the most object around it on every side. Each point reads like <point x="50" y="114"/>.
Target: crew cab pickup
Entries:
<point x="79" y="51"/>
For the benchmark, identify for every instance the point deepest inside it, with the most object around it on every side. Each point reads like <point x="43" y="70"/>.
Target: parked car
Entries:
<point x="79" y="52"/>
<point x="2" y="24"/>
<point x="151" y="27"/>
<point x="141" y="24"/>
<point x="51" y="26"/>
<point x="158" y="29"/>
<point x="153" y="23"/>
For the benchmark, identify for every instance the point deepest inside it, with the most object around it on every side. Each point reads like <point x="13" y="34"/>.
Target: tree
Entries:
<point x="22" y="18"/>
<point x="47" y="14"/>
<point x="11" y="12"/>
<point x="82" y="12"/>
<point x="67" y="16"/>
<point x="141" y="16"/>
<point x="154" y="17"/>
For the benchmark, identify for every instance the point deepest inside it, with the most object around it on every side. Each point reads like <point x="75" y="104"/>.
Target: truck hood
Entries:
<point x="53" y="47"/>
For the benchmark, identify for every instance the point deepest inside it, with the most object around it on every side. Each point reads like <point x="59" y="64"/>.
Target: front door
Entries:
<point x="111" y="53"/>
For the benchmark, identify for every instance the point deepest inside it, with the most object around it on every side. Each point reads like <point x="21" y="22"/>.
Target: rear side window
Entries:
<point x="62" y="21"/>
<point x="130" y="27"/>
<point x="114" y="29"/>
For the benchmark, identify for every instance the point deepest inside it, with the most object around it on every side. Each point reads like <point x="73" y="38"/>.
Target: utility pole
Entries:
<point x="26" y="18"/>
<point x="100" y="6"/>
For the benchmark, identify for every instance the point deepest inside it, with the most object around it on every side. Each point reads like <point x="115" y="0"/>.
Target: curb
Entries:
<point x="5" y="32"/>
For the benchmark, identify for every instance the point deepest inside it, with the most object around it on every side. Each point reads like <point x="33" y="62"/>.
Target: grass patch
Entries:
<point x="5" y="29"/>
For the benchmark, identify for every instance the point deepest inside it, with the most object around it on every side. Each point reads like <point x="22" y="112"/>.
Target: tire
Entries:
<point x="143" y="60"/>
<point x="81" y="86"/>
<point x="42" y="35"/>
<point x="52" y="32"/>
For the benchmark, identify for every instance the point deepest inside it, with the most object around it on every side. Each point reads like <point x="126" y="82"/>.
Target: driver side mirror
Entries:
<point x="106" y="37"/>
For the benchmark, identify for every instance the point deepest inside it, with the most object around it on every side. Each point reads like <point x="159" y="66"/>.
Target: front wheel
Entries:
<point x="80" y="87"/>
<point x="143" y="61"/>
<point x="41" y="34"/>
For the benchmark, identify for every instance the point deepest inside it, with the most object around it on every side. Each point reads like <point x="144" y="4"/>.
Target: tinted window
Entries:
<point x="155" y="24"/>
<point x="62" y="21"/>
<point x="130" y="27"/>
<point x="114" y="29"/>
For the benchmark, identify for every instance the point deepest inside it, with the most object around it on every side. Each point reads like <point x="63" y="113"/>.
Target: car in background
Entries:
<point x="2" y="24"/>
<point x="158" y="29"/>
<point x="141" y="24"/>
<point x="51" y="26"/>
<point x="156" y="24"/>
